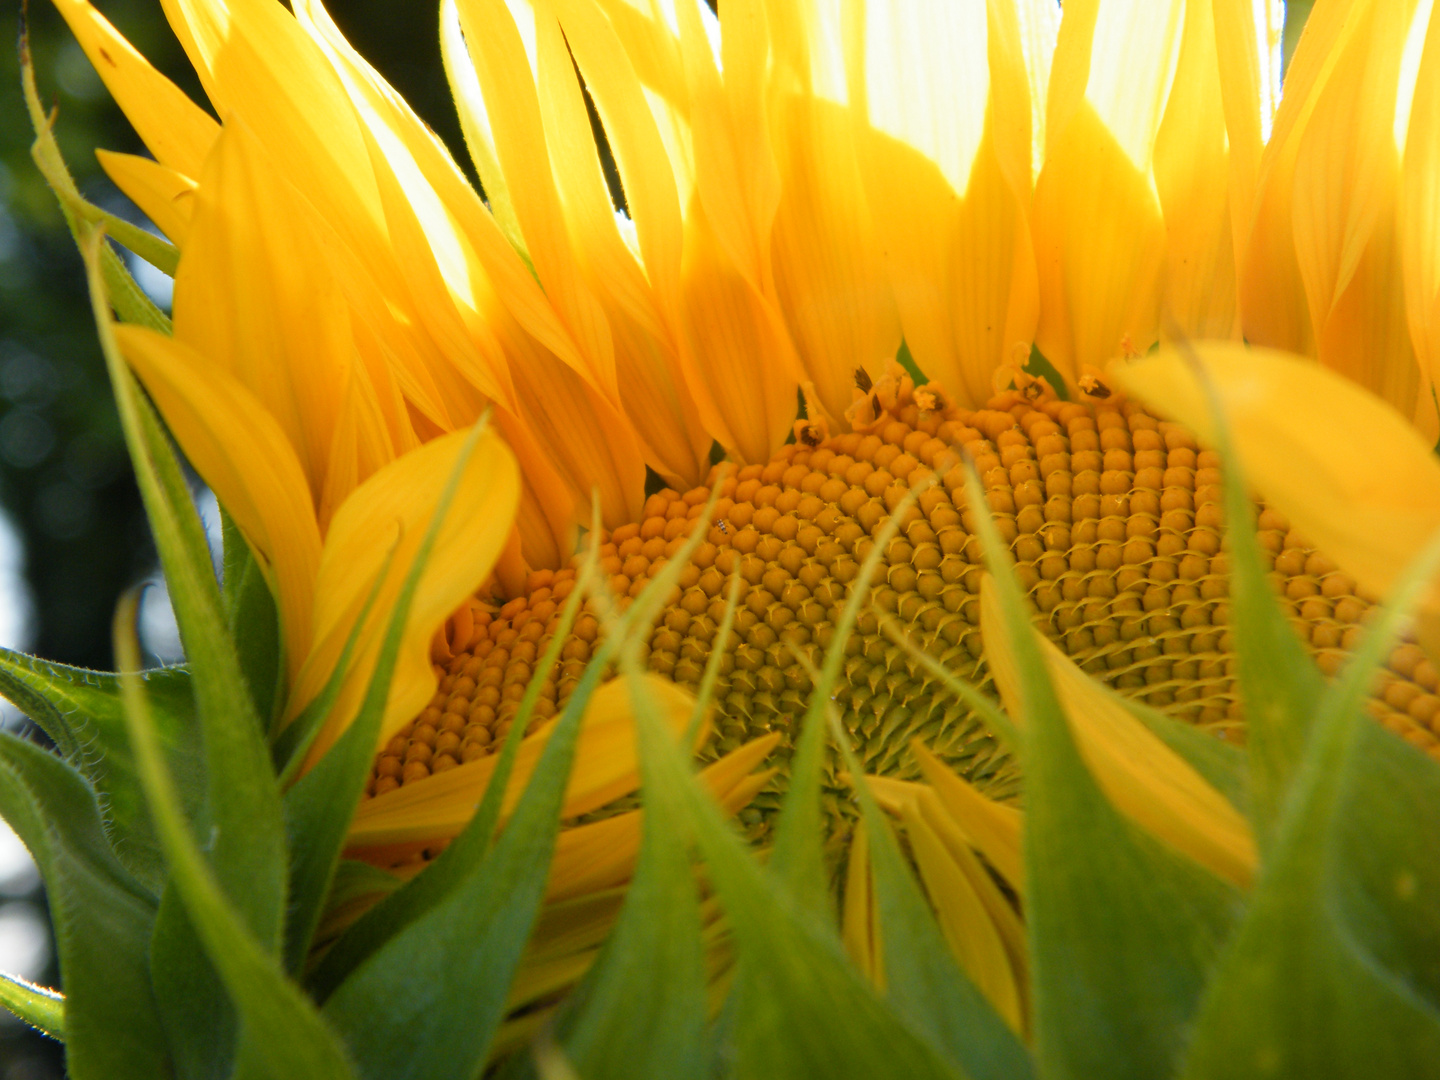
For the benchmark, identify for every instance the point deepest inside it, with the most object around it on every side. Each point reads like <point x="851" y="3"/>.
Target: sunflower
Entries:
<point x="950" y="232"/>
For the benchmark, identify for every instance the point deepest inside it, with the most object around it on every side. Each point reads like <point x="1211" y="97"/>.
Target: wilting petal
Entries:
<point x="379" y="528"/>
<point x="167" y="197"/>
<point x="606" y="769"/>
<point x="1143" y="777"/>
<point x="1353" y="477"/>
<point x="241" y="452"/>
<point x="178" y="132"/>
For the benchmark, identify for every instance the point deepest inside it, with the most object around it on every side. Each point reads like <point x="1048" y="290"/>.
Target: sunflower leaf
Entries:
<point x="427" y="1002"/>
<point x="282" y="1036"/>
<point x="101" y="915"/>
<point x="1333" y="971"/>
<point x="81" y="712"/>
<point x="1122" y="931"/>
<point x="800" y="1007"/>
<point x="618" y="1025"/>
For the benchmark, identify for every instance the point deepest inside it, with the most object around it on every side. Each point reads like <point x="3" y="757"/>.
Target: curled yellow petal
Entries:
<point x="1144" y="778"/>
<point x="379" y="529"/>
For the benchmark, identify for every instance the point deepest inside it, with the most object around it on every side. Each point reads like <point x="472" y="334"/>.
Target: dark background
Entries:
<point x="65" y="483"/>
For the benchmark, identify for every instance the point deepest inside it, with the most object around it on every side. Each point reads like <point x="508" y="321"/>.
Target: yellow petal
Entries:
<point x="178" y="132"/>
<point x="735" y="173"/>
<point x="737" y="355"/>
<point x="589" y="442"/>
<point x="1192" y="176"/>
<point x="1248" y="37"/>
<point x="1419" y="220"/>
<point x="243" y="455"/>
<point x="386" y="518"/>
<point x="860" y="922"/>
<point x="507" y="80"/>
<point x="949" y="188"/>
<point x="605" y="769"/>
<point x="256" y="295"/>
<point x="1099" y="237"/>
<point x="1350" y="473"/>
<point x="166" y="196"/>
<point x="602" y="854"/>
<point x="998" y="906"/>
<point x="640" y="301"/>
<point x="1274" y="311"/>
<point x="993" y="828"/>
<point x="965" y="920"/>
<point x="829" y="266"/>
<point x="1099" y="248"/>
<point x="1347" y="172"/>
<point x="1142" y="777"/>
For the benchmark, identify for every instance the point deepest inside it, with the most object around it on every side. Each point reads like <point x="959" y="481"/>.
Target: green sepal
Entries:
<point x="197" y="1013"/>
<point x="923" y="981"/>
<point x="1279" y="684"/>
<point x="281" y="1034"/>
<point x="799" y="1007"/>
<point x="427" y="1003"/>
<point x="1334" y="973"/>
<point x="101" y="914"/>
<point x="131" y="303"/>
<point x="319" y="807"/>
<point x="39" y="1006"/>
<point x="421" y="893"/>
<point x="82" y="713"/>
<point x="253" y="623"/>
<point x="1122" y="930"/>
<point x="615" y="1025"/>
